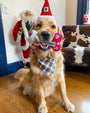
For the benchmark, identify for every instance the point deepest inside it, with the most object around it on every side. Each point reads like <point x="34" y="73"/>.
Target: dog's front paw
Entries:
<point x="42" y="109"/>
<point x="69" y="106"/>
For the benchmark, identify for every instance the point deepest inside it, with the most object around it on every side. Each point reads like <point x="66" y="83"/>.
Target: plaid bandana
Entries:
<point x="46" y="65"/>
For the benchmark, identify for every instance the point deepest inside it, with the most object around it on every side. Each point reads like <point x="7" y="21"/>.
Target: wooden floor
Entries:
<point x="78" y="89"/>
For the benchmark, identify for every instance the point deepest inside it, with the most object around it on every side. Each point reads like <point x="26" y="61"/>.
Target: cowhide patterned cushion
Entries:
<point x="77" y="56"/>
<point x="76" y="45"/>
<point x="76" y="36"/>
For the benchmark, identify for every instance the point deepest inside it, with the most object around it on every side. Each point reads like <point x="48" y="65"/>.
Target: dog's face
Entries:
<point x="46" y="29"/>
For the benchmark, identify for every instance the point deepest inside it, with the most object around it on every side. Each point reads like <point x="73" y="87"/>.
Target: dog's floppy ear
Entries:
<point x="59" y="30"/>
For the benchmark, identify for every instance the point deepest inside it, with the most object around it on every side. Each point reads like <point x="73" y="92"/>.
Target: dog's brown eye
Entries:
<point x="53" y="26"/>
<point x="39" y="25"/>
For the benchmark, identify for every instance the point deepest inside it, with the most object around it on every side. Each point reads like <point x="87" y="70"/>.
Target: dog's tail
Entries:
<point x="19" y="75"/>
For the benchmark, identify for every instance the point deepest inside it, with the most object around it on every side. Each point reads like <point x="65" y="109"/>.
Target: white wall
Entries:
<point x="60" y="9"/>
<point x="9" y="20"/>
<point x="71" y="12"/>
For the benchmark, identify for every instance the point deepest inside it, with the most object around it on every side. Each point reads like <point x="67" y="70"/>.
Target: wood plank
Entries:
<point x="78" y="89"/>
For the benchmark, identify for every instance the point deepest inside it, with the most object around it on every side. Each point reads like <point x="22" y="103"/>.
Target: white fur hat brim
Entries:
<point x="45" y="16"/>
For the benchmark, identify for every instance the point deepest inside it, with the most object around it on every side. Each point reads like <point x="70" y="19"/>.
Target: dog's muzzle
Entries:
<point x="45" y="35"/>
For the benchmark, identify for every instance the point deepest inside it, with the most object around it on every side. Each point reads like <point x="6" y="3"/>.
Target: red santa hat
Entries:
<point x="85" y="14"/>
<point x="46" y="11"/>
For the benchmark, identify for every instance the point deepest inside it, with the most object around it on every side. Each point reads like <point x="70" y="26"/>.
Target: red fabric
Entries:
<point x="16" y="28"/>
<point x="15" y="32"/>
<point x="85" y="13"/>
<point x="57" y="39"/>
<point x="26" y="53"/>
<point x="46" y="13"/>
<point x="34" y="46"/>
<point x="23" y="42"/>
<point x="46" y="4"/>
<point x="85" y="19"/>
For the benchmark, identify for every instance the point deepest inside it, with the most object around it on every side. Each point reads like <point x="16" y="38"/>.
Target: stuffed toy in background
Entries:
<point x="85" y="18"/>
<point x="21" y="35"/>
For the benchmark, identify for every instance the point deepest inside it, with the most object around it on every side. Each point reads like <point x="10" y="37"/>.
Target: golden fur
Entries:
<point x="35" y="82"/>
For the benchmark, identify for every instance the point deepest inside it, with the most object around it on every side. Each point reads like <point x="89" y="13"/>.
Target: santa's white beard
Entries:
<point x="26" y="18"/>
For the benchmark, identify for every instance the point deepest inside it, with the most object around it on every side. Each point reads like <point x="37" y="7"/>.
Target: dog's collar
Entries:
<point x="47" y="65"/>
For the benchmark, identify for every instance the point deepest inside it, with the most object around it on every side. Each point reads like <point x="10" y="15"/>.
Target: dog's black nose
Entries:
<point x="45" y="35"/>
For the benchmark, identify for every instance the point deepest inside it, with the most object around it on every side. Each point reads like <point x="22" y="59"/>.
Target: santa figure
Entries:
<point x="85" y="18"/>
<point x="21" y="35"/>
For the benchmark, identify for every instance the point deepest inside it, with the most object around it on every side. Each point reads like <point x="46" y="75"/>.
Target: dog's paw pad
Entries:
<point x="70" y="107"/>
<point x="42" y="109"/>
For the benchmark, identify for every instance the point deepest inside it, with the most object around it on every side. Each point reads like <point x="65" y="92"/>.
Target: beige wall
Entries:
<point x="63" y="10"/>
<point x="71" y="12"/>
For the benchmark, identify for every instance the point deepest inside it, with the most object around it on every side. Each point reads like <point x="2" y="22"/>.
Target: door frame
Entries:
<point x="3" y="59"/>
<point x="6" y="69"/>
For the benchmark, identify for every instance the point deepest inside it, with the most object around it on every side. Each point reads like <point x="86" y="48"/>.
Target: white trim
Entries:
<point x="25" y="29"/>
<point x="46" y="16"/>
<point x="18" y="38"/>
<point x="25" y="60"/>
<point x="24" y="47"/>
<point x="45" y="9"/>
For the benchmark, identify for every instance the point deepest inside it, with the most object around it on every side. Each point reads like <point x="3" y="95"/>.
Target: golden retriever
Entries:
<point x="34" y="81"/>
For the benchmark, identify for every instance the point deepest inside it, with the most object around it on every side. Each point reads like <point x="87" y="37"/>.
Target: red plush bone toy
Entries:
<point x="57" y="39"/>
<point x="55" y="44"/>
